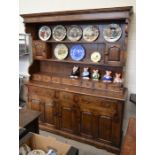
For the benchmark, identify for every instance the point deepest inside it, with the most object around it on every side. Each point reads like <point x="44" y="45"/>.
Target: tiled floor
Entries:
<point x="84" y="149"/>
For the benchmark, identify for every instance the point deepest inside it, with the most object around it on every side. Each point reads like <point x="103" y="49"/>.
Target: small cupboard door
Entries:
<point x="38" y="105"/>
<point x="66" y="116"/>
<point x="105" y="128"/>
<point x="86" y="123"/>
<point x="114" y="55"/>
<point x="50" y="112"/>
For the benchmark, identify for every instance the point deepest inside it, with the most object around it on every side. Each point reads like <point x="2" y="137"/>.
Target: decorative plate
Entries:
<point x="61" y="51"/>
<point x="59" y="33"/>
<point x="90" y="33"/>
<point x="44" y="33"/>
<point x="37" y="152"/>
<point x="112" y="32"/>
<point x="95" y="56"/>
<point x="74" y="33"/>
<point x="77" y="52"/>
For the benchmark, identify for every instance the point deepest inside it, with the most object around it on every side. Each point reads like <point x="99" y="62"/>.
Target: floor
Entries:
<point x="84" y="149"/>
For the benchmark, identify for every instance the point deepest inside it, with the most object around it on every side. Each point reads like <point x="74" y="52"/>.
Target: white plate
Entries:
<point x="90" y="33"/>
<point x="112" y="32"/>
<point x="61" y="51"/>
<point x="74" y="33"/>
<point x="44" y="33"/>
<point x="37" y="152"/>
<point x="95" y="56"/>
<point x="59" y="33"/>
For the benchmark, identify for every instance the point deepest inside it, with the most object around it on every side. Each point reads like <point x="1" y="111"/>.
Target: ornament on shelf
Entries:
<point x="107" y="77"/>
<point x="85" y="73"/>
<point x="75" y="72"/>
<point x="95" y="75"/>
<point x="118" y="78"/>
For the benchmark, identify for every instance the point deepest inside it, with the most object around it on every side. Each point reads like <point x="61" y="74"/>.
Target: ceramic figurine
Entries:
<point x="117" y="78"/>
<point x="96" y="75"/>
<point x="85" y="73"/>
<point x="107" y="77"/>
<point x="75" y="72"/>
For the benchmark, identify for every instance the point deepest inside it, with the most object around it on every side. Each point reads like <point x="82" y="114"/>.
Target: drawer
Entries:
<point x="37" y="77"/>
<point x="115" y="87"/>
<point x="46" y="78"/>
<point x="99" y="106"/>
<point x="87" y="84"/>
<point x="73" y="82"/>
<point x="99" y="85"/>
<point x="66" y="81"/>
<point x="37" y="91"/>
<point x="56" y="80"/>
<point x="64" y="96"/>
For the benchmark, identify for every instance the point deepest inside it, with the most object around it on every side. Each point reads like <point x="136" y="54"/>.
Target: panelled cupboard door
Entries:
<point x="66" y="116"/>
<point x="96" y="118"/>
<point x="114" y="55"/>
<point x="105" y="128"/>
<point x="86" y="124"/>
<point x="38" y="105"/>
<point x="50" y="112"/>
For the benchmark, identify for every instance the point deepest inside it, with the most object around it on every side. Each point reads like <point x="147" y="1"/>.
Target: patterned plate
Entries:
<point x="90" y="33"/>
<point x="112" y="32"/>
<point x="95" y="56"/>
<point x="59" y="33"/>
<point x="44" y="33"/>
<point x="37" y="152"/>
<point x="77" y="52"/>
<point x="74" y="33"/>
<point x="61" y="51"/>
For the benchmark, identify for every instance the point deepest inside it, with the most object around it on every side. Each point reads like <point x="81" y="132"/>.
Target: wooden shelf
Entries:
<point x="75" y="42"/>
<point x="78" y="62"/>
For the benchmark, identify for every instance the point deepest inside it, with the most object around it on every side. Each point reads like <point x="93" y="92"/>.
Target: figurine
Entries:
<point x="117" y="78"/>
<point x="96" y="75"/>
<point x="85" y="73"/>
<point x="75" y="72"/>
<point x="107" y="77"/>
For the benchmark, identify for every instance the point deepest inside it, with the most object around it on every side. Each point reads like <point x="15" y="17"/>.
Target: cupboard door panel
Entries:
<point x="105" y="128"/>
<point x="86" y="123"/>
<point x="114" y="54"/>
<point x="38" y="106"/>
<point x="66" y="116"/>
<point x="66" y="121"/>
<point x="50" y="111"/>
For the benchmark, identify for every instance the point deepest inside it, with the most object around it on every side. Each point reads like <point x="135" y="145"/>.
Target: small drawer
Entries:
<point x="66" y="96"/>
<point x="66" y="81"/>
<point x="75" y="82"/>
<point x="99" y="85"/>
<point x="87" y="84"/>
<point x="56" y="80"/>
<point x="115" y="87"/>
<point x="37" y="77"/>
<point x="46" y="78"/>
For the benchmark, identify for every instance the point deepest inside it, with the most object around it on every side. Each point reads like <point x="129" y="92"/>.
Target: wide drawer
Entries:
<point x="99" y="106"/>
<point x="41" y="92"/>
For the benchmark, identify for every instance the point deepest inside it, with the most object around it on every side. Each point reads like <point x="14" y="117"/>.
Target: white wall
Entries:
<point x="35" y="6"/>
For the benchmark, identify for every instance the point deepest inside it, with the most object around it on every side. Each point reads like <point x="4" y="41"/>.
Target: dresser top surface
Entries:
<point x="79" y="90"/>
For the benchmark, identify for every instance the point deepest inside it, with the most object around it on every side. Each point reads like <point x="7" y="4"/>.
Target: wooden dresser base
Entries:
<point x="81" y="139"/>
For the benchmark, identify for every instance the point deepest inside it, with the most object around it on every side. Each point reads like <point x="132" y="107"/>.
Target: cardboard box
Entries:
<point x="36" y="141"/>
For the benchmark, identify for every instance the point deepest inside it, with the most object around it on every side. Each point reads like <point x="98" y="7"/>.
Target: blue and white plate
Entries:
<point x="77" y="52"/>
